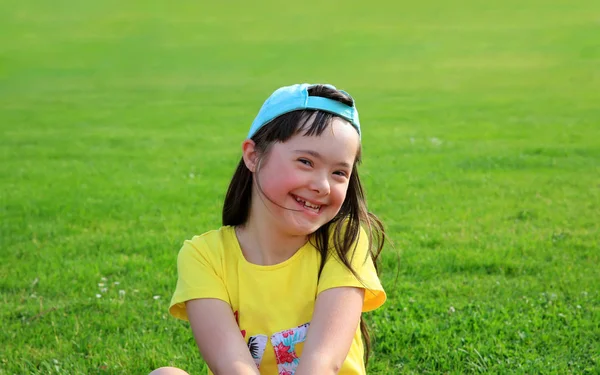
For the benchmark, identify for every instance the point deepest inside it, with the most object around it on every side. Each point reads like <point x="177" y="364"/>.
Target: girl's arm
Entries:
<point x="331" y="331"/>
<point x="219" y="338"/>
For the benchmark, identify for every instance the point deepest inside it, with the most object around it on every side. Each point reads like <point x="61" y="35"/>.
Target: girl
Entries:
<point x="280" y="288"/>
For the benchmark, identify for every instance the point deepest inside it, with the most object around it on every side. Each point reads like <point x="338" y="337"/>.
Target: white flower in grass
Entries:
<point x="156" y="297"/>
<point x="117" y="283"/>
<point x="103" y="279"/>
<point x="121" y="293"/>
<point x="98" y="295"/>
<point x="451" y="310"/>
<point x="100" y="285"/>
<point x="435" y="141"/>
<point x="103" y="290"/>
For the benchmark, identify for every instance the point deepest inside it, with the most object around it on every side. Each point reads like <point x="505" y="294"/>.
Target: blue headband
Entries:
<point x="291" y="98"/>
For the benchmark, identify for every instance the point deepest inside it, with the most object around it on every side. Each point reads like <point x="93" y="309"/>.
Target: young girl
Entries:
<point x="280" y="288"/>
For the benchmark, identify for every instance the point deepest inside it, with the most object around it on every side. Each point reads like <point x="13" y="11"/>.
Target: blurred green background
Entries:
<point x="120" y="129"/>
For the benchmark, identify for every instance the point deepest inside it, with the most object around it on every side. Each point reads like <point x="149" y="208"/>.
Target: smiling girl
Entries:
<point x="281" y="287"/>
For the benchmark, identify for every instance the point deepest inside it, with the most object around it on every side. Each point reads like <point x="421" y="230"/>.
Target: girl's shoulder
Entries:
<point x="215" y="236"/>
<point x="211" y="244"/>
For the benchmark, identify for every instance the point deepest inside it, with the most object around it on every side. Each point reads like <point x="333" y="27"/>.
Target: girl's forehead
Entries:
<point x="338" y="138"/>
<point x="338" y="129"/>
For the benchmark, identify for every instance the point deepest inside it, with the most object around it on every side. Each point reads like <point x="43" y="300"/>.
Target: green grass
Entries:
<point x="121" y="124"/>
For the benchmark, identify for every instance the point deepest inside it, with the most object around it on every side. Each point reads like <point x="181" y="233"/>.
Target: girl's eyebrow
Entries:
<point x="320" y="157"/>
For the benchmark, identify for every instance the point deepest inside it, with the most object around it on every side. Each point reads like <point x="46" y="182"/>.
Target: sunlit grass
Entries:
<point x="120" y="128"/>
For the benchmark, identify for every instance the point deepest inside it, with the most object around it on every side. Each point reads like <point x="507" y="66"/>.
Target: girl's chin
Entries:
<point x="306" y="228"/>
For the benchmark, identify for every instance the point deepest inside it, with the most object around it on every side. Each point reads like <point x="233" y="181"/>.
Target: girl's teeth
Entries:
<point x="311" y="208"/>
<point x="308" y="205"/>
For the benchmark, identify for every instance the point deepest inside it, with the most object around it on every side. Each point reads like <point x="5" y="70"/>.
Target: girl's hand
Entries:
<point x="332" y="329"/>
<point x="218" y="337"/>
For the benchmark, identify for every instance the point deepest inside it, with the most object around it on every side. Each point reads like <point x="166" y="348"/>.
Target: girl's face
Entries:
<point x="305" y="179"/>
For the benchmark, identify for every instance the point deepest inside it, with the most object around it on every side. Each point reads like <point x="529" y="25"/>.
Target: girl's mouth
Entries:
<point x="308" y="205"/>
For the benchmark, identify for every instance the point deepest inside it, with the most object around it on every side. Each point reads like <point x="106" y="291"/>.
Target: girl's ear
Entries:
<point x="250" y="154"/>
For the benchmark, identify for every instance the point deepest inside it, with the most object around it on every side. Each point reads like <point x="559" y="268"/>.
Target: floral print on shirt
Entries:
<point x="284" y="343"/>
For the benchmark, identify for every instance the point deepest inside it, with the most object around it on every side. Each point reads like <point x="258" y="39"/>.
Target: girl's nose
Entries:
<point x="321" y="186"/>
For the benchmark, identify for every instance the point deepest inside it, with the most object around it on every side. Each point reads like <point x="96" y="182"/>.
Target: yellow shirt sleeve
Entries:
<point x="199" y="275"/>
<point x="335" y="274"/>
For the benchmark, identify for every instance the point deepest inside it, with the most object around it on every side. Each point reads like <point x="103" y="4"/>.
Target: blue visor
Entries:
<point x="292" y="98"/>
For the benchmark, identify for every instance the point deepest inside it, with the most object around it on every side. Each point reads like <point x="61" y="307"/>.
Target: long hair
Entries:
<point x="353" y="214"/>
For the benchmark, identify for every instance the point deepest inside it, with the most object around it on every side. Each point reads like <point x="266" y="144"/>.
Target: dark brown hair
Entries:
<point x="353" y="214"/>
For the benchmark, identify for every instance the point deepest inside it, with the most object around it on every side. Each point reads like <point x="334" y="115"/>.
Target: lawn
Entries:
<point x="120" y="127"/>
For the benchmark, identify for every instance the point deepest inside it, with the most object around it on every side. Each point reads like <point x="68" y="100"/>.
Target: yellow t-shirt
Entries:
<point x="272" y="304"/>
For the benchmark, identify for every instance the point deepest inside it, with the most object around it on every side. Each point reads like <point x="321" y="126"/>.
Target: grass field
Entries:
<point x="120" y="128"/>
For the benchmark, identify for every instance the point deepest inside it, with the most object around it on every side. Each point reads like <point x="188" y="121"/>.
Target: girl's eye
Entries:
<point x="305" y="162"/>
<point x="341" y="173"/>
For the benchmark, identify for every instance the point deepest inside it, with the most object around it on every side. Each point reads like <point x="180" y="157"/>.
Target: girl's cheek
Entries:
<point x="290" y="176"/>
<point x="292" y="182"/>
<point x="340" y="194"/>
<point x="283" y="179"/>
